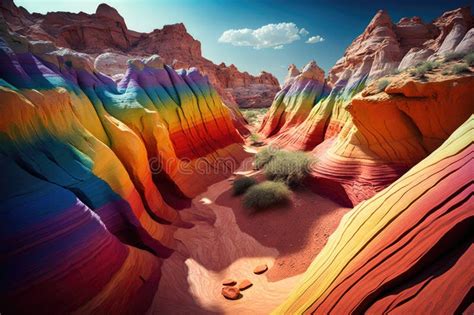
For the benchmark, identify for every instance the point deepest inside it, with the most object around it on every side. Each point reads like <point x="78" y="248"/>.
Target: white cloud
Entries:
<point x="267" y="36"/>
<point x="314" y="39"/>
<point x="303" y="32"/>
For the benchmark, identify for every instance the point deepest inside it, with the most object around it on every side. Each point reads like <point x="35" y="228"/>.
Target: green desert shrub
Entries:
<point x="422" y="68"/>
<point x="382" y="84"/>
<point x="242" y="184"/>
<point x="253" y="115"/>
<point x="418" y="72"/>
<point x="264" y="156"/>
<point x="266" y="194"/>
<point x="254" y="138"/>
<point x="469" y="59"/>
<point x="395" y="72"/>
<point x="459" y="68"/>
<point x="450" y="56"/>
<point x="288" y="167"/>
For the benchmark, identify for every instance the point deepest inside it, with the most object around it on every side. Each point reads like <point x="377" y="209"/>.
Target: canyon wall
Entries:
<point x="95" y="169"/>
<point x="365" y="135"/>
<point x="105" y="36"/>
<point x="93" y="172"/>
<point x="399" y="148"/>
<point x="407" y="250"/>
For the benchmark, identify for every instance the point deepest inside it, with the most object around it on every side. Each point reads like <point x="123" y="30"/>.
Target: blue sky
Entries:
<point x="338" y="22"/>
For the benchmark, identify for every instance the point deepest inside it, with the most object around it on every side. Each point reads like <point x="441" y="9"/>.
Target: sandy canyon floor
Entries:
<point x="227" y="241"/>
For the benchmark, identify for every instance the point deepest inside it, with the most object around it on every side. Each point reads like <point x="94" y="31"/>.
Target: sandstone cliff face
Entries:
<point x="365" y="141"/>
<point x="93" y="172"/>
<point x="294" y="102"/>
<point x="388" y="132"/>
<point x="106" y="31"/>
<point x="385" y="47"/>
<point x="399" y="151"/>
<point x="248" y="91"/>
<point x="405" y="250"/>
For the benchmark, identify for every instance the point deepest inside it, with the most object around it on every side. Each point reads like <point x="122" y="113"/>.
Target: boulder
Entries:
<point x="231" y="293"/>
<point x="229" y="282"/>
<point x="260" y="269"/>
<point x="245" y="284"/>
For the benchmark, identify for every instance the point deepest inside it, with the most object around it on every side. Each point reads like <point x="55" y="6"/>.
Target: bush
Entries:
<point x="469" y="59"/>
<point x="265" y="195"/>
<point x="453" y="56"/>
<point x="460" y="68"/>
<point x="288" y="167"/>
<point x="418" y="72"/>
<point x="252" y="115"/>
<point x="395" y="72"/>
<point x="421" y="69"/>
<point x="264" y="156"/>
<point x="382" y="84"/>
<point x="242" y="184"/>
<point x="255" y="139"/>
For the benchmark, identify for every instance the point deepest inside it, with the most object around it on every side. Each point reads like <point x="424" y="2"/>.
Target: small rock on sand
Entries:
<point x="230" y="282"/>
<point x="231" y="293"/>
<point x="245" y="284"/>
<point x="260" y="269"/>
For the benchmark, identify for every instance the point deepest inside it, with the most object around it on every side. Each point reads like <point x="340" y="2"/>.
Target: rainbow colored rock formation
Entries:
<point x="406" y="250"/>
<point x="89" y="171"/>
<point x="399" y="149"/>
<point x="106" y="31"/>
<point x="365" y="141"/>
<point x="95" y="170"/>
<point x="294" y="102"/>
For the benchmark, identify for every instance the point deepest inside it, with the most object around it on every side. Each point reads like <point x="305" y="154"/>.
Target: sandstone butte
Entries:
<point x="106" y="38"/>
<point x="95" y="170"/>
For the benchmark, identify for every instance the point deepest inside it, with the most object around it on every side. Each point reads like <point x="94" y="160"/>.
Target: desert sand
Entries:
<point x="227" y="241"/>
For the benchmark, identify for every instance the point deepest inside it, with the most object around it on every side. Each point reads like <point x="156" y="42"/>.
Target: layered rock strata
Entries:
<point x="106" y="31"/>
<point x="405" y="250"/>
<point x="92" y="171"/>
<point x="364" y="141"/>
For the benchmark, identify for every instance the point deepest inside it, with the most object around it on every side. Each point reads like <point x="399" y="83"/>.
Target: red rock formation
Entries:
<point x="407" y="250"/>
<point x="367" y="141"/>
<point x="389" y="132"/>
<point x="247" y="90"/>
<point x="106" y="31"/>
<point x="93" y="172"/>
<point x="294" y="102"/>
<point x="245" y="284"/>
<point x="384" y="46"/>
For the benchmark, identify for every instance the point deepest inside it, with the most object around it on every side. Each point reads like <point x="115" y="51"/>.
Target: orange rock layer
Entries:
<point x="93" y="172"/>
<point x="106" y="36"/>
<point x="388" y="132"/>
<point x="365" y="133"/>
<point x="406" y="250"/>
